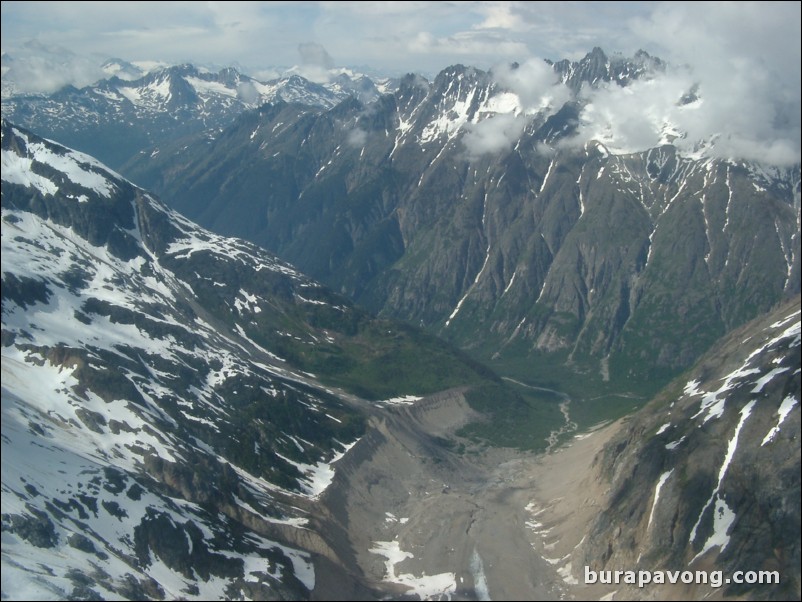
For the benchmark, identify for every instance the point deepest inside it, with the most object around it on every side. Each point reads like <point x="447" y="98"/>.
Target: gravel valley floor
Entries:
<point x="423" y="522"/>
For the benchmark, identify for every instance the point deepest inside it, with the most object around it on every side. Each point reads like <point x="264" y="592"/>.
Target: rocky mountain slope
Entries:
<point x="130" y="112"/>
<point x="174" y="402"/>
<point x="459" y="206"/>
<point x="707" y="477"/>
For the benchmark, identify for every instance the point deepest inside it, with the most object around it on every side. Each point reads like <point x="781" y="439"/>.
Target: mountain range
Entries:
<point x="543" y="257"/>
<point x="187" y="414"/>
<point x="135" y="110"/>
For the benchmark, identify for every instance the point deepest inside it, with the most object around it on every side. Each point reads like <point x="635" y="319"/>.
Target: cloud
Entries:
<point x="744" y="56"/>
<point x="558" y="30"/>
<point x="357" y="138"/>
<point x="43" y="69"/>
<point x="248" y="93"/>
<point x="316" y="55"/>
<point x="316" y="62"/>
<point x="743" y="62"/>
<point x="742" y="119"/>
<point x="494" y="134"/>
<point x="421" y="37"/>
<point x="502" y="15"/>
<point x="264" y="75"/>
<point x="529" y="89"/>
<point x="740" y="60"/>
<point x="477" y="45"/>
<point x="201" y="32"/>
<point x="638" y="117"/>
<point x="535" y="83"/>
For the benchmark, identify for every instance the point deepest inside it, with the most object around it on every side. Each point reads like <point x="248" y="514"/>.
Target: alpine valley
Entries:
<point x="582" y="269"/>
<point x="586" y="357"/>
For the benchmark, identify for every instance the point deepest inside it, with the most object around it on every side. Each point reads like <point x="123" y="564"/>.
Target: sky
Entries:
<point x="745" y="56"/>
<point x="387" y="36"/>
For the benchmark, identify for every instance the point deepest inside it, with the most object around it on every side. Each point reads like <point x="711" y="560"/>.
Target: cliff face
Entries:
<point x="708" y="475"/>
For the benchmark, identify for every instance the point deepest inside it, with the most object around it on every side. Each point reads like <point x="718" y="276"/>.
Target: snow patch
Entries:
<point x="660" y="482"/>
<point x="479" y="578"/>
<point x="732" y="446"/>
<point x="566" y="574"/>
<point x="317" y="477"/>
<point x="17" y="170"/>
<point x="206" y="88"/>
<point x="764" y="380"/>
<point x="723" y="518"/>
<point x="425" y="587"/>
<point x="785" y="408"/>
<point x="674" y="444"/>
<point x="406" y="400"/>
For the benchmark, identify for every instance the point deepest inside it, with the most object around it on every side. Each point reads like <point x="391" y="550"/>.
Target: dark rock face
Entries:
<point x="36" y="528"/>
<point x="708" y="475"/>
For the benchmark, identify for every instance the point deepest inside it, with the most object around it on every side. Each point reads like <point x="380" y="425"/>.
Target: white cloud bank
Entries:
<point x="537" y="91"/>
<point x="731" y="88"/>
<point x="742" y="60"/>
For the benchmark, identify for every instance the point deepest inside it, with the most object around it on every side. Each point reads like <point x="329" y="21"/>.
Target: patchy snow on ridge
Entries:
<point x="317" y="477"/>
<point x="74" y="165"/>
<point x="785" y="408"/>
<point x="123" y="399"/>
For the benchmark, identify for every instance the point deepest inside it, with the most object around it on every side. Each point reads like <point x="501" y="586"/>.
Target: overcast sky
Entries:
<point x="744" y="54"/>
<point x="398" y="36"/>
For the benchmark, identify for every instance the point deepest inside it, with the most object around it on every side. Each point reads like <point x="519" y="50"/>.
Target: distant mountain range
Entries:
<point x="134" y="109"/>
